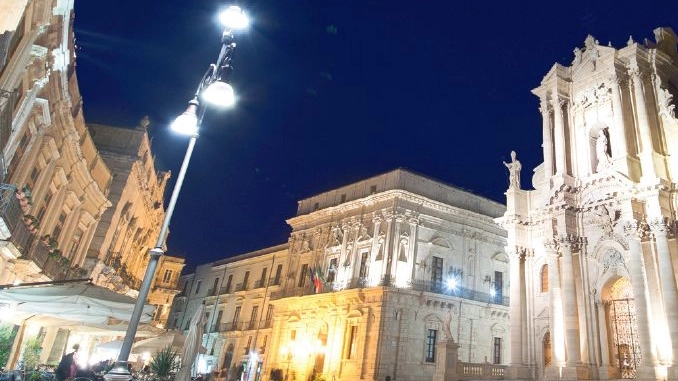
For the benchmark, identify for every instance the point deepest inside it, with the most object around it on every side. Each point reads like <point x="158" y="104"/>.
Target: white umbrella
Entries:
<point x="174" y="339"/>
<point x="192" y="344"/>
<point x="66" y="304"/>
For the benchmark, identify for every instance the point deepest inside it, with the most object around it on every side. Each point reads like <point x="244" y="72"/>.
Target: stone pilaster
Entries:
<point x="636" y="265"/>
<point x="643" y="123"/>
<point x="669" y="342"/>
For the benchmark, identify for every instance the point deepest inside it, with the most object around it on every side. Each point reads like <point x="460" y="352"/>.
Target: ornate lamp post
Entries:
<point x="214" y="90"/>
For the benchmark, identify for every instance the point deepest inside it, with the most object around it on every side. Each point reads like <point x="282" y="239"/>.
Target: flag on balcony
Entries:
<point x="315" y="280"/>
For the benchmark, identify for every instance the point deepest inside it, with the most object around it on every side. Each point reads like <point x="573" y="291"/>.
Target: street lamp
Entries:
<point x="214" y="90"/>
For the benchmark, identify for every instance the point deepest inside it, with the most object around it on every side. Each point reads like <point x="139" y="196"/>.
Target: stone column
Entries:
<point x="643" y="123"/>
<point x="641" y="295"/>
<point x="559" y="134"/>
<point x="517" y="307"/>
<point x="547" y="138"/>
<point x="669" y="289"/>
<point x="570" y="307"/>
<point x="603" y="342"/>
<point x="556" y="313"/>
<point x="618" y="133"/>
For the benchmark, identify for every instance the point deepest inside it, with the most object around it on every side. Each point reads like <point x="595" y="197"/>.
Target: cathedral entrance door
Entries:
<point x="624" y="329"/>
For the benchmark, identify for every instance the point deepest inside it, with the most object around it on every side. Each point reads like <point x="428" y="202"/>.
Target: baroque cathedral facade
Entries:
<point x="592" y="248"/>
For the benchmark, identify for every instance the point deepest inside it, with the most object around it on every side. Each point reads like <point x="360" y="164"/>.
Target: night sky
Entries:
<point x="335" y="91"/>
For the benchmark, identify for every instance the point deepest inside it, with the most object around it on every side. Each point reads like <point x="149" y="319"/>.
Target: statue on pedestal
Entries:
<point x="514" y="168"/>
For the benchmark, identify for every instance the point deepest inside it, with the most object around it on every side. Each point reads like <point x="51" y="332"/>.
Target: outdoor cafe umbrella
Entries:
<point x="67" y="304"/>
<point x="172" y="338"/>
<point x="192" y="344"/>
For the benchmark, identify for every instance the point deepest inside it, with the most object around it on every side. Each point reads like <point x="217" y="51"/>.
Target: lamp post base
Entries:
<point x="119" y="372"/>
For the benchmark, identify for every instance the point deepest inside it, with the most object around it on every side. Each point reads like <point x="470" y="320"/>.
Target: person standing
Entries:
<point x="68" y="365"/>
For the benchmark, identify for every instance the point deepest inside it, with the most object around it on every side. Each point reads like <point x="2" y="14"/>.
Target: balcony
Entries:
<point x="417" y="285"/>
<point x="229" y="327"/>
<point x="225" y="290"/>
<point x="241" y="287"/>
<point x="260" y="283"/>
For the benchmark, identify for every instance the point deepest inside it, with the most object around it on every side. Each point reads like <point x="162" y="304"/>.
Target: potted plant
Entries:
<point x="65" y="262"/>
<point x="163" y="363"/>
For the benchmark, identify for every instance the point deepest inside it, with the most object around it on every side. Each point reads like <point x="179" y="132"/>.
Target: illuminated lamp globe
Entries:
<point x="219" y="94"/>
<point x="234" y="18"/>
<point x="187" y="123"/>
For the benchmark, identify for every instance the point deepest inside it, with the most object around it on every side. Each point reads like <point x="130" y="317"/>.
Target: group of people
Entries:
<point x="68" y="367"/>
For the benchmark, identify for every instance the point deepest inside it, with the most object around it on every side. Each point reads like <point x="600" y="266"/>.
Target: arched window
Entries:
<point x="545" y="278"/>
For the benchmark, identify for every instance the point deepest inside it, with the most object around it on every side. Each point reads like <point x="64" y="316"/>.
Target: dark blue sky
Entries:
<point x="332" y="92"/>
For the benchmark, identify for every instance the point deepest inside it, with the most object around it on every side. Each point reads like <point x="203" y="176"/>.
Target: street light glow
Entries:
<point x="234" y="18"/>
<point x="452" y="283"/>
<point x="187" y="122"/>
<point x="219" y="94"/>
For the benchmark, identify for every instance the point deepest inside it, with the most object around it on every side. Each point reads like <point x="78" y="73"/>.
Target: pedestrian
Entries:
<point x="68" y="365"/>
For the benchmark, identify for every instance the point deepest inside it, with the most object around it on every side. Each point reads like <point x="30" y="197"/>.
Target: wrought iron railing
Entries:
<point x="417" y="285"/>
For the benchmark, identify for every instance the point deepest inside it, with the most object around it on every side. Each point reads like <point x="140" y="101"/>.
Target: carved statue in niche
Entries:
<point x="603" y="150"/>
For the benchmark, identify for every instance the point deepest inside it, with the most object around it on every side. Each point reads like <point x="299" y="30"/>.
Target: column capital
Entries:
<point x="662" y="227"/>
<point x="636" y="229"/>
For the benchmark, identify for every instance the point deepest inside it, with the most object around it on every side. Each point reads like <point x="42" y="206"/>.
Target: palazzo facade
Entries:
<point x="592" y="248"/>
<point x="374" y="274"/>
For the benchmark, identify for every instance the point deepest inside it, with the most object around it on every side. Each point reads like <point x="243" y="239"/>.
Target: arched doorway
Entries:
<point x="622" y="328"/>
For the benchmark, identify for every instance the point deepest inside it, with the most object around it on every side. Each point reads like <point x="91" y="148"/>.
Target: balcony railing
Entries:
<point x="417" y="285"/>
<point x="228" y="327"/>
<point x="260" y="283"/>
<point x="225" y="290"/>
<point x="241" y="287"/>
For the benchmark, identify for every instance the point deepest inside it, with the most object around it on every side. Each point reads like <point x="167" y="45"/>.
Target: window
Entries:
<point x="215" y="286"/>
<point x="351" y="342"/>
<point x="45" y="205"/>
<point x="373" y="189"/>
<point x="302" y="275"/>
<point x="228" y="284"/>
<point x="236" y="316"/>
<point x="245" y="280"/>
<point x="253" y="318"/>
<point x="316" y="206"/>
<point x="262" y="281"/>
<point x="363" y="264"/>
<point x="437" y="270"/>
<point x="75" y="244"/>
<point x="167" y="276"/>
<point x="431" y="345"/>
<point x="269" y="315"/>
<point x="545" y="278"/>
<point x="343" y="198"/>
<point x="217" y="323"/>
<point x="498" y="286"/>
<point x="496" y="352"/>
<point x="332" y="271"/>
<point x="197" y="286"/>
<point x="278" y="274"/>
<point x="249" y="345"/>
<point x="59" y="225"/>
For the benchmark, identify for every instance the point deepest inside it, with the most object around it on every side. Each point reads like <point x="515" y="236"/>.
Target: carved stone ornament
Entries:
<point x="607" y="219"/>
<point x="666" y="105"/>
<point x="611" y="260"/>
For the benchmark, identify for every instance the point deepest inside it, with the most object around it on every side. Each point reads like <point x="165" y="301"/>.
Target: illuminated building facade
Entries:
<point x="374" y="275"/>
<point x="55" y="186"/>
<point x="593" y="246"/>
<point x="118" y="254"/>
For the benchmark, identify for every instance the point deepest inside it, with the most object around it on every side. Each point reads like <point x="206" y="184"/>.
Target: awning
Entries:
<point x="68" y="305"/>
